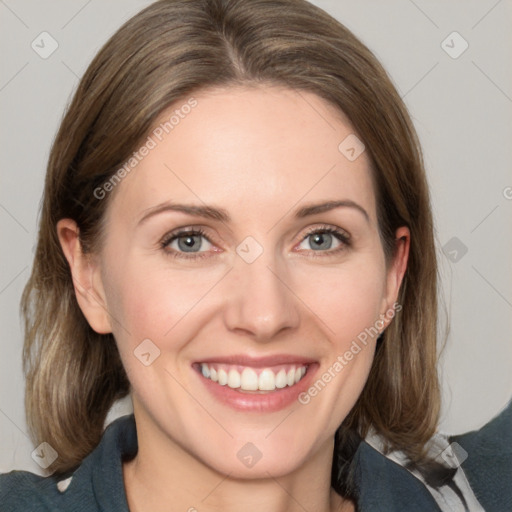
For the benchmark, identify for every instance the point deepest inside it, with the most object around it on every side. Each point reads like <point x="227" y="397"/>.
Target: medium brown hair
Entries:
<point x="167" y="52"/>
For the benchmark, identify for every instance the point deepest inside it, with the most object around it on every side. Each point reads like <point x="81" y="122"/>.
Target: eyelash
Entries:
<point x="342" y="236"/>
<point x="168" y="239"/>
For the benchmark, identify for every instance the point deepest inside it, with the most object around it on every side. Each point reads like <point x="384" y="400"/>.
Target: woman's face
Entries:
<point x="271" y="283"/>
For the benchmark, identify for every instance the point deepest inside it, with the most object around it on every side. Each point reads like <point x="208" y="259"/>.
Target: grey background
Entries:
<point x="461" y="107"/>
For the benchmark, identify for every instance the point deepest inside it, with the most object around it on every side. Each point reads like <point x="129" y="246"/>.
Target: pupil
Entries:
<point x="322" y="240"/>
<point x="188" y="242"/>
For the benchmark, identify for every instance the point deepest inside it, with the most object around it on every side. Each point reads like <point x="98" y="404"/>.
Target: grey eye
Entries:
<point x="188" y="242"/>
<point x="320" y="241"/>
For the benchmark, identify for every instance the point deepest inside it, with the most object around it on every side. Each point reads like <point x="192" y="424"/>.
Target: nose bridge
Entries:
<point x="260" y="302"/>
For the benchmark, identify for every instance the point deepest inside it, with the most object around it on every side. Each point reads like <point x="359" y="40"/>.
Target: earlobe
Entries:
<point x="86" y="277"/>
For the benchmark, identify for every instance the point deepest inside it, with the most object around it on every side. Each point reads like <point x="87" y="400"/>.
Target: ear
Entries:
<point x="396" y="272"/>
<point x="86" y="277"/>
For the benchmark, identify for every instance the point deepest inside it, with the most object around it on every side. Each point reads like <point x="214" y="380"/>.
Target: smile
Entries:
<point x="256" y="384"/>
<point x="254" y="379"/>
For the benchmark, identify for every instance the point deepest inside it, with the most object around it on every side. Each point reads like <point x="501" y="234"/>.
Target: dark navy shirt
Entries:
<point x="382" y="484"/>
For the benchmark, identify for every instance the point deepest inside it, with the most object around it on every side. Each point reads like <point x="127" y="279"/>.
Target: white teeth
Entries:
<point x="249" y="380"/>
<point x="223" y="377"/>
<point x="267" y="380"/>
<point x="233" y="379"/>
<point x="281" y="379"/>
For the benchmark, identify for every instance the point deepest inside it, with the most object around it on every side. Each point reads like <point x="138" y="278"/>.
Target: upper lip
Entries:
<point x="258" y="362"/>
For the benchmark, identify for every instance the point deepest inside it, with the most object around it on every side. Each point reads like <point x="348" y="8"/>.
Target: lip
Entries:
<point x="258" y="362"/>
<point x="268" y="402"/>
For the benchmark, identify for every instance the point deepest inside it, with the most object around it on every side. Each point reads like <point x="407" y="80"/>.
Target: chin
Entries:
<point x="260" y="454"/>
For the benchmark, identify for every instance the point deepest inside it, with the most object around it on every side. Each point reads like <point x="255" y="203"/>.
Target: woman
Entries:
<point x="236" y="230"/>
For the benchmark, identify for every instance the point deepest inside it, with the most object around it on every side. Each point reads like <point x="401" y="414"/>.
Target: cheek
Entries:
<point x="347" y="300"/>
<point x="349" y="308"/>
<point x="148" y="300"/>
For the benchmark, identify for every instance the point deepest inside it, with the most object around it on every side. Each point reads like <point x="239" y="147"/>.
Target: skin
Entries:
<point x="259" y="153"/>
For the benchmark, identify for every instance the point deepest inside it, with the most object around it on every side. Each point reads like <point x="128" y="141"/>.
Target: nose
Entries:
<point x="260" y="301"/>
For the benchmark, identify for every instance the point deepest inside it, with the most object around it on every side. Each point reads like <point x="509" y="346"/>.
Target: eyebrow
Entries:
<point x="313" y="209"/>
<point x="219" y="214"/>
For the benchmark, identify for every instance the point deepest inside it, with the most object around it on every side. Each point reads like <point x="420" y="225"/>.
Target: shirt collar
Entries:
<point x="380" y="484"/>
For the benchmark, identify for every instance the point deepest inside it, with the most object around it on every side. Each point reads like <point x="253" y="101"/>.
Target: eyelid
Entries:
<point x="178" y="232"/>
<point x="171" y="236"/>
<point x="342" y="236"/>
<point x="327" y="228"/>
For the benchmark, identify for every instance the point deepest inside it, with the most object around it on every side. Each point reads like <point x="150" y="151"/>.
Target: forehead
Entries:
<point x="250" y="150"/>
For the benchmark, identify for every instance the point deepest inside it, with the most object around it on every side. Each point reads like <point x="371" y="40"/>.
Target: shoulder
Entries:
<point x="97" y="484"/>
<point x="382" y="483"/>
<point x="25" y="491"/>
<point x="480" y="462"/>
<point x="485" y="455"/>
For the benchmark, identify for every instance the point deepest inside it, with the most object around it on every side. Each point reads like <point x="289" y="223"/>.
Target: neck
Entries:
<point x="165" y="477"/>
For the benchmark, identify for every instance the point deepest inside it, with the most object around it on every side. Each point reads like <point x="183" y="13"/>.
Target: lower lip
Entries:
<point x="270" y="401"/>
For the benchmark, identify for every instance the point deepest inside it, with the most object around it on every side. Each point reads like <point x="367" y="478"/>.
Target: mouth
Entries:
<point x="262" y="385"/>
<point x="253" y="379"/>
